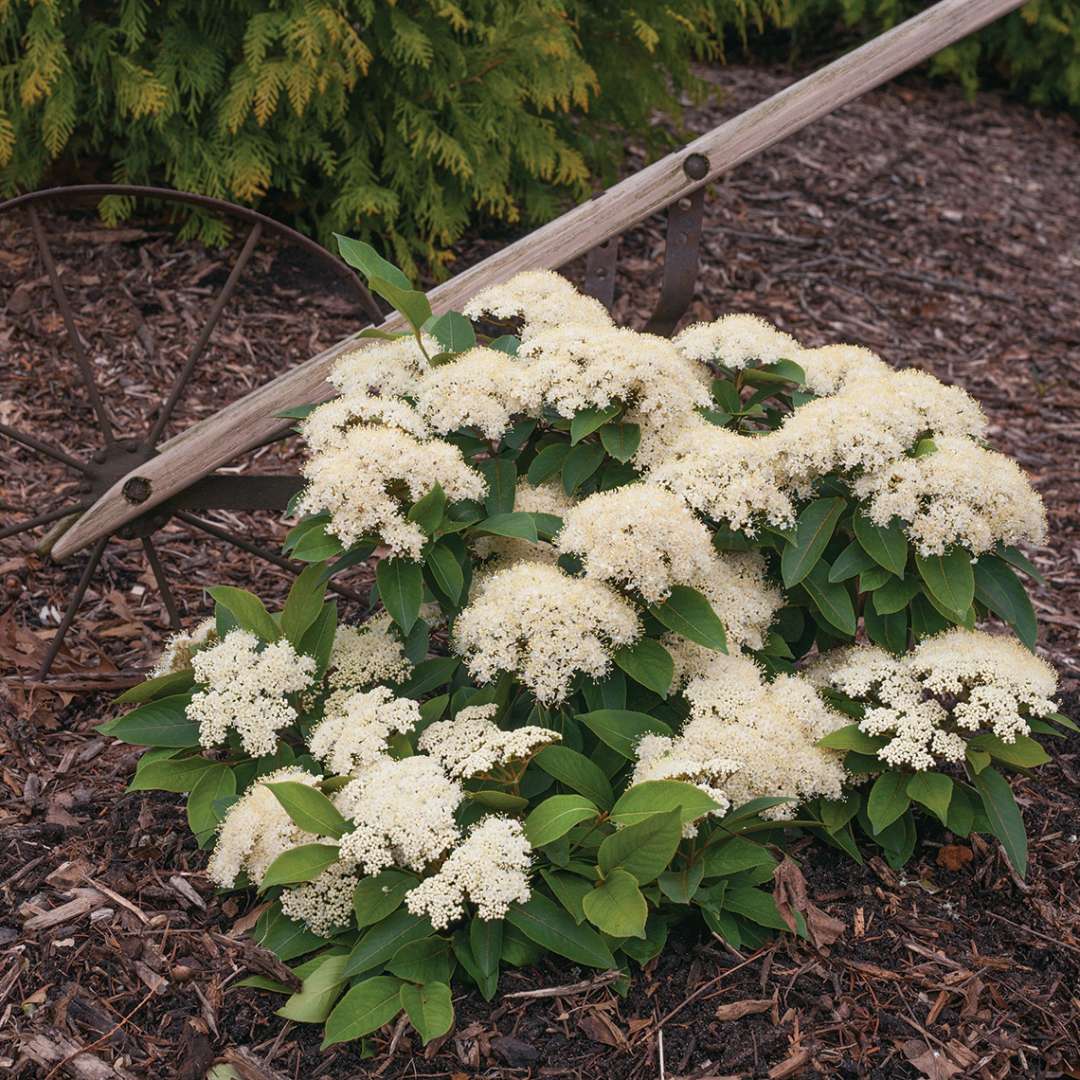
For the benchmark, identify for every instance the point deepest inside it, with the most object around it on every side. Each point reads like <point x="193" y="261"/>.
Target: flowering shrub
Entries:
<point x="643" y="609"/>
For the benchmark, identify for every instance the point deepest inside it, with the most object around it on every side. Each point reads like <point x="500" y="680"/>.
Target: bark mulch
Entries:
<point x="940" y="233"/>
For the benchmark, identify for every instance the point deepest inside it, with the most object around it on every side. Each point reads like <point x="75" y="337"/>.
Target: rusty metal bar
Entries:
<point x="42" y="519"/>
<point x="45" y="448"/>
<point x="162" y="580"/>
<point x="680" y="262"/>
<point x="73" y="606"/>
<point x="600" y="271"/>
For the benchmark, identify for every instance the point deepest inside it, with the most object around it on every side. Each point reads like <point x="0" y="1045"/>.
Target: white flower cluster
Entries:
<point x="403" y="811"/>
<point x="543" y="300"/>
<point x="472" y="743"/>
<point x="957" y="493"/>
<point x="325" y="904"/>
<point x="246" y="688"/>
<point x="256" y="830"/>
<point x="490" y="867"/>
<point x="354" y="731"/>
<point x="544" y="626"/>
<point x="367" y="654"/>
<point x="955" y="683"/>
<point x="747" y="738"/>
<point x="179" y="648"/>
<point x="736" y="341"/>
<point x="366" y="477"/>
<point x="480" y="388"/>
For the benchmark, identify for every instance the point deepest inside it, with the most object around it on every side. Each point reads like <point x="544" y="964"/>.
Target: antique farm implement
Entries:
<point x="133" y="483"/>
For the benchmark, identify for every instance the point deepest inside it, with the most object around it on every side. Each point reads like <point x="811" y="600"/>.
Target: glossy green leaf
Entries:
<point x="1000" y="590"/>
<point x="412" y="303"/>
<point x="589" y="420"/>
<point x="384" y="939"/>
<point x="215" y="783"/>
<point x="312" y="1003"/>
<point x="401" y="589"/>
<point x="304" y="603"/>
<point x="446" y="571"/>
<point x="645" y="849"/>
<point x="374" y="898"/>
<point x="888" y="800"/>
<point x="1004" y="816"/>
<point x="622" y="729"/>
<point x="582" y="461"/>
<point x="520" y="525"/>
<point x="423" y="961"/>
<point x="310" y="809"/>
<point x="616" y="905"/>
<point x="556" y="816"/>
<point x="302" y="863"/>
<point x="850" y="737"/>
<point x="169" y="774"/>
<point x="452" y="331"/>
<point x="430" y="1009"/>
<point x="934" y="791"/>
<point x="886" y="545"/>
<point x="949" y="579"/>
<point x="660" y="796"/>
<point x="576" y="771"/>
<point x="621" y="441"/>
<point x="364" y="1009"/>
<point x="832" y="600"/>
<point x="689" y="613"/>
<point x="552" y="928"/>
<point x="363" y="257"/>
<point x="649" y="663"/>
<point x="248" y="610"/>
<point x="851" y="562"/>
<point x="162" y="722"/>
<point x="813" y="531"/>
<point x="548" y="462"/>
<point x="429" y="510"/>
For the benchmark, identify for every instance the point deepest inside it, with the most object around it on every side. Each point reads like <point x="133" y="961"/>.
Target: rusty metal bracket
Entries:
<point x="681" y="252"/>
<point x="600" y="271"/>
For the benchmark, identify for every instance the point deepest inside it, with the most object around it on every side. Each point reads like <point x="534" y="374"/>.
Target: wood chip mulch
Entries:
<point x="939" y="232"/>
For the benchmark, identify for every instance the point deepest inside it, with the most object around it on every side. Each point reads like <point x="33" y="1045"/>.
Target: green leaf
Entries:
<point x="423" y="961"/>
<point x="934" y="791"/>
<point x="886" y="545"/>
<point x="851" y="562"/>
<point x="384" y="939"/>
<point x="961" y="811"/>
<point x="284" y="937"/>
<point x="430" y="1009"/>
<point x="247" y="609"/>
<point x="542" y="921"/>
<point x="569" y="890"/>
<point x="157" y="723"/>
<point x="429" y="674"/>
<point x="888" y="631"/>
<point x="547" y="462"/>
<point x="755" y="905"/>
<point x="401" y="589"/>
<point x="977" y="759"/>
<point x="446" y="571"/>
<point x="501" y="476"/>
<point x="832" y="600"/>
<point x="485" y="945"/>
<point x="363" y="257"/>
<point x="850" y="737"/>
<point x="651" y="797"/>
<point x="175" y="682"/>
<point x="518" y="524"/>
<point x="429" y="510"/>
<point x="1004" y="816"/>
<point x="576" y="771"/>
<point x="310" y="809"/>
<point x="888" y="800"/>
<point x="622" y="729"/>
<point x="556" y="816"/>
<point x="645" y="849"/>
<point x="314" y="544"/>
<point x="412" y="303"/>
<point x="687" y="612"/>
<point x="169" y="774"/>
<point x="582" y="461"/>
<point x="999" y="589"/>
<point x="895" y="595"/>
<point x="1015" y="557"/>
<point x="312" y="1003"/>
<point x="452" y="331"/>
<point x="616" y="906"/>
<point x="589" y="420"/>
<point x="679" y="886"/>
<point x="621" y="441"/>
<point x="364" y="1009"/>
<point x="304" y="603"/>
<point x="376" y="897"/>
<point x="302" y="863"/>
<point x="1021" y="753"/>
<point x="506" y="343"/>
<point x="949" y="579"/>
<point x="217" y="782"/>
<point x="813" y="531"/>
<point x="649" y="663"/>
<point x="735" y="854"/>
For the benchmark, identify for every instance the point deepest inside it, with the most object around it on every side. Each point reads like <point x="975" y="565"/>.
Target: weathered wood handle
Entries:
<point x="250" y="421"/>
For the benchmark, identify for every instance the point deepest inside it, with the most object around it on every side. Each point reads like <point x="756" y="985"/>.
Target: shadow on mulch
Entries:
<point x="939" y="232"/>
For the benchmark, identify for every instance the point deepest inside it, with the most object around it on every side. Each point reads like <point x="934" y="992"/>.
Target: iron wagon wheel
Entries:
<point x="138" y="345"/>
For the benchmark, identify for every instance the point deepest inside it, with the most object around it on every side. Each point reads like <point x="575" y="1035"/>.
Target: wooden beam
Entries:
<point x="250" y="421"/>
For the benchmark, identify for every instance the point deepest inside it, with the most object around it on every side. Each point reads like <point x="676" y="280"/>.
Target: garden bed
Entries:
<point x="944" y="221"/>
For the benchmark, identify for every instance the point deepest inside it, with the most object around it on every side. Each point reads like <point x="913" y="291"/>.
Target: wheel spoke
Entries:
<point x="167" y="597"/>
<point x="72" y="331"/>
<point x="255" y="549"/>
<point x="73" y="606"/>
<point x="42" y="519"/>
<point x="204" y="334"/>
<point x="45" y="448"/>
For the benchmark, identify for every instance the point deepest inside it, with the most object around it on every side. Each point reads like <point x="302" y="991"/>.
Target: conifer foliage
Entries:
<point x="392" y="119"/>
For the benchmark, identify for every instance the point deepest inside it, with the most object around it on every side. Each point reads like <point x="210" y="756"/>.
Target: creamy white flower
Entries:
<point x="179" y="648"/>
<point x="747" y="738"/>
<point x="364" y="655"/>
<point x="383" y="368"/>
<point x="543" y="299"/>
<point x="356" y="727"/>
<point x="472" y="743"/>
<point x="403" y="812"/>
<point x="245" y="689"/>
<point x="543" y="625"/>
<point x="490" y="868"/>
<point x="480" y="388"/>
<point x="829" y="367"/>
<point x="365" y="481"/>
<point x="324" y="904"/>
<point x="256" y="830"/>
<point x="640" y="537"/>
<point x="959" y="493"/>
<point x="736" y="341"/>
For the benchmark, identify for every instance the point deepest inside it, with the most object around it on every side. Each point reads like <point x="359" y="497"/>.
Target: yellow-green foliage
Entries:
<point x="395" y="119"/>
<point x="1035" y="50"/>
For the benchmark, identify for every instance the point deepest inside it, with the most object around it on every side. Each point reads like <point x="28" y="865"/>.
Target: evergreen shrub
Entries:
<point x="644" y="612"/>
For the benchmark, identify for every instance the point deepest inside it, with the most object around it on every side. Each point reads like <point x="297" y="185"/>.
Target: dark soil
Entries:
<point x="939" y="232"/>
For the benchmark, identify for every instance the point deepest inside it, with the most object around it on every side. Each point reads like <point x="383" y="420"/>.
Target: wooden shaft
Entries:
<point x="250" y="421"/>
